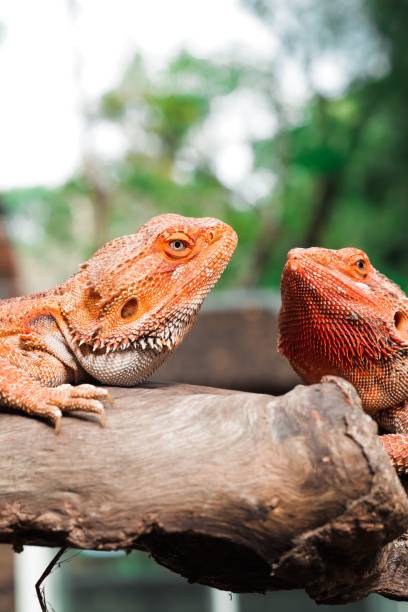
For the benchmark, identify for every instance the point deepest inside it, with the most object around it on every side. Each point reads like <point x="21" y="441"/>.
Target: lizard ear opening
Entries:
<point x="129" y="308"/>
<point x="401" y="322"/>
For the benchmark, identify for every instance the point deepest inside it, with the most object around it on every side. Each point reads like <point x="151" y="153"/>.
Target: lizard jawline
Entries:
<point x="128" y="361"/>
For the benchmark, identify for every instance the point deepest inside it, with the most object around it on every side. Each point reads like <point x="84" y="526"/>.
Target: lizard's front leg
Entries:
<point x="395" y="420"/>
<point x="24" y="379"/>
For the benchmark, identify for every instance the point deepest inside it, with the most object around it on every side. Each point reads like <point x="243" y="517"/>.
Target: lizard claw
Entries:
<point x="68" y="398"/>
<point x="56" y="418"/>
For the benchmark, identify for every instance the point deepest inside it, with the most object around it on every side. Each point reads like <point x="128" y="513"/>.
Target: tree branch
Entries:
<point x="240" y="491"/>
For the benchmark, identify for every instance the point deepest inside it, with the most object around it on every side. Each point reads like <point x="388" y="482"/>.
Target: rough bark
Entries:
<point x="240" y="491"/>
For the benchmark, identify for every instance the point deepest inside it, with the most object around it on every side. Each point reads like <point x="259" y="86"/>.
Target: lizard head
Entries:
<point x="138" y="296"/>
<point x="340" y="315"/>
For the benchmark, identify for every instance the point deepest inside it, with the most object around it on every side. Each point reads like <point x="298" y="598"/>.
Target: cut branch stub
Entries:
<point x="240" y="491"/>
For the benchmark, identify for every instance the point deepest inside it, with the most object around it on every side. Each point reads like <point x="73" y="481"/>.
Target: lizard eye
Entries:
<point x="178" y="245"/>
<point x="361" y="265"/>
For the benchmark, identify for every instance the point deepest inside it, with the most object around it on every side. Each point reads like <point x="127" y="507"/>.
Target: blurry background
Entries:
<point x="288" y="120"/>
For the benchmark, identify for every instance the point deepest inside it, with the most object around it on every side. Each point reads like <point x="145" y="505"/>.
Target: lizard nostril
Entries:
<point x="296" y="253"/>
<point x="293" y="259"/>
<point x="214" y="234"/>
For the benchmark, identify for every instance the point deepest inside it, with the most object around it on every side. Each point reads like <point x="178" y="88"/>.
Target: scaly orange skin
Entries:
<point x="115" y="321"/>
<point x="342" y="317"/>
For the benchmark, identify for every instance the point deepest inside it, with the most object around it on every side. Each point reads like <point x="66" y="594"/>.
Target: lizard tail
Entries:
<point x="396" y="446"/>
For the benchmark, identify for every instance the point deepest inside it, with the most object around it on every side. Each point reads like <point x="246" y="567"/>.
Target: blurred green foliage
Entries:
<point x="333" y="172"/>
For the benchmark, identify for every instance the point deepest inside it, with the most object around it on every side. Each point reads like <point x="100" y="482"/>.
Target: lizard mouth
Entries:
<point x="166" y="338"/>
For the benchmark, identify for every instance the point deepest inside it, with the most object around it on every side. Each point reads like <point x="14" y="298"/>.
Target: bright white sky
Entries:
<point x="39" y="118"/>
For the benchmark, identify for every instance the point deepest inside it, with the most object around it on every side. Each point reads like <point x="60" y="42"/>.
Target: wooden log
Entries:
<point x="239" y="491"/>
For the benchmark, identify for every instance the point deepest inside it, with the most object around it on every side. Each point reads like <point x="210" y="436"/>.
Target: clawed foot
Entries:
<point x="68" y="398"/>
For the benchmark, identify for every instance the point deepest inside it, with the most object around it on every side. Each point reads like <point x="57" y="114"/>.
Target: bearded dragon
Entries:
<point x="342" y="317"/>
<point x="115" y="321"/>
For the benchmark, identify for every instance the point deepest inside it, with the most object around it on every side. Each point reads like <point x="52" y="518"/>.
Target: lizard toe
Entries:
<point x="86" y="391"/>
<point x="83" y="398"/>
